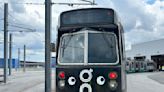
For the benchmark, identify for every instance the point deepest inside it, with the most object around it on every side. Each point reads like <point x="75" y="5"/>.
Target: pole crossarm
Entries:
<point x="71" y="4"/>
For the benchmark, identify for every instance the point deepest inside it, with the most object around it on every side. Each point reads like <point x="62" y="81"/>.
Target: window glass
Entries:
<point x="102" y="48"/>
<point x="72" y="49"/>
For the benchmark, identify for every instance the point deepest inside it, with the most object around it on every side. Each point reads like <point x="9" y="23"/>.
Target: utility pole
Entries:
<point x="48" y="5"/>
<point x="5" y="42"/>
<point x="10" y="55"/>
<point x="19" y="58"/>
<point x="24" y="59"/>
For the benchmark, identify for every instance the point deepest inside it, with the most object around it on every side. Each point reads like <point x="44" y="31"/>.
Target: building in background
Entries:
<point x="32" y="64"/>
<point x="29" y="64"/>
<point x="15" y="63"/>
<point x="152" y="50"/>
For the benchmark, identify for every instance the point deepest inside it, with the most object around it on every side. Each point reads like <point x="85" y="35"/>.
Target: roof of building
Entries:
<point x="150" y="42"/>
<point x="149" y="48"/>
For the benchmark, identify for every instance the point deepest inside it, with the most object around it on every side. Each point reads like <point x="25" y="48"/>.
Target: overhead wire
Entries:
<point x="25" y="3"/>
<point x="21" y="27"/>
<point x="18" y="25"/>
<point x="12" y="17"/>
<point x="30" y="3"/>
<point x="69" y="4"/>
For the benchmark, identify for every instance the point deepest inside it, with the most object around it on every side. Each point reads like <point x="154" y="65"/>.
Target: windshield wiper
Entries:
<point x="64" y="46"/>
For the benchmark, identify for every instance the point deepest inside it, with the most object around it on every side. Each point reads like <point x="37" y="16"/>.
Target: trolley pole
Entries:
<point x="48" y="45"/>
<point x="24" y="59"/>
<point x="10" y="55"/>
<point x="5" y="42"/>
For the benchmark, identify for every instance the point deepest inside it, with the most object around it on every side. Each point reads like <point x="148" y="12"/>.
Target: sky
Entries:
<point x="143" y="20"/>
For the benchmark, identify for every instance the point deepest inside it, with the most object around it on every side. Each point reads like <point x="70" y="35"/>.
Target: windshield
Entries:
<point x="99" y="48"/>
<point x="72" y="48"/>
<point x="102" y="48"/>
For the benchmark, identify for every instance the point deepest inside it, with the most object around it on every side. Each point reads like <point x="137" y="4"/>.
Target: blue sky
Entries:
<point x="142" y="21"/>
<point x="151" y="1"/>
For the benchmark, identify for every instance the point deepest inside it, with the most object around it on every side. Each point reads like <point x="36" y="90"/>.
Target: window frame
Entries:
<point x="86" y="32"/>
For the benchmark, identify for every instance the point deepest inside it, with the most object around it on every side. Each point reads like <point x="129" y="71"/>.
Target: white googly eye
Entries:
<point x="100" y="80"/>
<point x="71" y="80"/>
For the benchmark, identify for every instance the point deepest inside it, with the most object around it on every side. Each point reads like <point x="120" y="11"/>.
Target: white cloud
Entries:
<point x="141" y="21"/>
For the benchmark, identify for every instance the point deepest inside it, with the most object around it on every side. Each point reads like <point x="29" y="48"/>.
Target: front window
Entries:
<point x="72" y="48"/>
<point x="89" y="47"/>
<point x="102" y="48"/>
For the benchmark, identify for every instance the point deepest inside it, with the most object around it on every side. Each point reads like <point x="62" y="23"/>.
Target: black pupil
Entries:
<point x="73" y="80"/>
<point x="102" y="79"/>
<point x="85" y="75"/>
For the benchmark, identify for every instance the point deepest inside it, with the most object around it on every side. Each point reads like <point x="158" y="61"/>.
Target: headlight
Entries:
<point x="113" y="85"/>
<point x="61" y="83"/>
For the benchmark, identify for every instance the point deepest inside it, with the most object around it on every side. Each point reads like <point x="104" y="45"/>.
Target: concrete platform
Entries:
<point x="30" y="81"/>
<point x="33" y="81"/>
<point x="159" y="77"/>
<point x="140" y="82"/>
